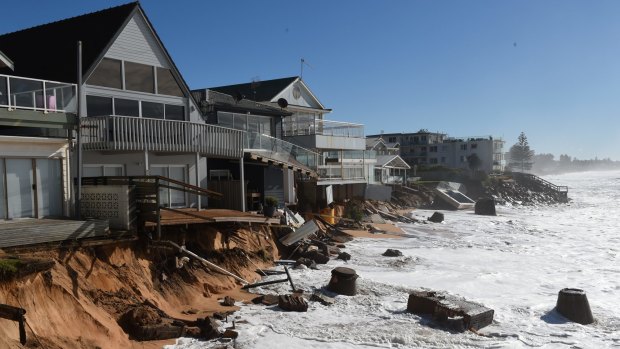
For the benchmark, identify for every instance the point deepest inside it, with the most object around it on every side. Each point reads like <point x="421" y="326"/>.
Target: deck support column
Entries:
<point x="242" y="177"/>
<point x="146" y="162"/>
<point x="198" y="179"/>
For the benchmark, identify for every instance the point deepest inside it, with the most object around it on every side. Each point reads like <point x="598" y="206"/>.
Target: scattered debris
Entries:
<point x="228" y="301"/>
<point x="344" y="256"/>
<point x="317" y="257"/>
<point x="573" y="304"/>
<point x="455" y="313"/>
<point x="485" y="206"/>
<point x="322" y="298"/>
<point x="267" y="299"/>
<point x="437" y="217"/>
<point x="15" y="314"/>
<point x="144" y="322"/>
<point x="292" y="303"/>
<point x="209" y="328"/>
<point x="302" y="232"/>
<point x="343" y="281"/>
<point x="392" y="253"/>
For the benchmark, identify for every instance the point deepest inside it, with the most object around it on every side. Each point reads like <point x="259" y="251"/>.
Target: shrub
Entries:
<point x="9" y="268"/>
<point x="271" y="201"/>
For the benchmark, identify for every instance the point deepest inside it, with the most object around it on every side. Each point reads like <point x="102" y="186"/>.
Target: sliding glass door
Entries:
<point x="49" y="184"/>
<point x="171" y="197"/>
<point x="31" y="188"/>
<point x="20" y="188"/>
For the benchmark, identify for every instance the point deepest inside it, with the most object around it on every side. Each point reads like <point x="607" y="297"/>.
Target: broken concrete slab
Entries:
<point x="307" y="229"/>
<point x="437" y="217"/>
<point x="452" y="312"/>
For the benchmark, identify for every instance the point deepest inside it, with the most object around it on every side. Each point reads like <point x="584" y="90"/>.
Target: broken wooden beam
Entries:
<point x="10" y="312"/>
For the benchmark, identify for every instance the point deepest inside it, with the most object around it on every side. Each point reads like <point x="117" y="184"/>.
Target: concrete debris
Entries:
<point x="454" y="313"/>
<point x="228" y="301"/>
<point x="322" y="298"/>
<point x="485" y="206"/>
<point x="344" y="256"/>
<point x="292" y="303"/>
<point x="392" y="253"/>
<point x="437" y="217"/>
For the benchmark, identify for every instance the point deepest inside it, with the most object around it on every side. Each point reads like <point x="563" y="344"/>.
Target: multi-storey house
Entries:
<point x="138" y="116"/>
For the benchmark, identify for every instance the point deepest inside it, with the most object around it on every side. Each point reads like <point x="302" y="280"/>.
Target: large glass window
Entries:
<point x="166" y="84"/>
<point x="98" y="106"/>
<point x="152" y="110"/>
<point x="126" y="107"/>
<point x="107" y="74"/>
<point x="139" y="77"/>
<point x="175" y="112"/>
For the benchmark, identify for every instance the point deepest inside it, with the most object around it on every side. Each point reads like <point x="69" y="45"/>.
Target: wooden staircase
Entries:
<point x="528" y="179"/>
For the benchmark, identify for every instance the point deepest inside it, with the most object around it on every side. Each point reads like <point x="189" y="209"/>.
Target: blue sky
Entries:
<point x="466" y="68"/>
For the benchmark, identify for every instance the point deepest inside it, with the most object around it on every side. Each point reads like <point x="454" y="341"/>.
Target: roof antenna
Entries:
<point x="303" y="61"/>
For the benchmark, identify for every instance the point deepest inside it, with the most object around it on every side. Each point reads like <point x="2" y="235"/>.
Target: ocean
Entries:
<point x="515" y="263"/>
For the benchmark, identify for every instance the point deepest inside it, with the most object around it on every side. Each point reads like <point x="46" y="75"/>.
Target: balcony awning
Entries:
<point x="5" y="62"/>
<point x="270" y="157"/>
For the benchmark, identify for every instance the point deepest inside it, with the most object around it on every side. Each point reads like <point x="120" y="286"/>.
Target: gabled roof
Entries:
<point x="371" y="143"/>
<point x="49" y="51"/>
<point x="224" y="102"/>
<point x="391" y="161"/>
<point x="392" y="145"/>
<point x="5" y="62"/>
<point x="260" y="91"/>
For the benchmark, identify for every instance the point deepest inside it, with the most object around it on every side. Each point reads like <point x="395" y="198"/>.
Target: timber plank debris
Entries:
<point x="10" y="312"/>
<point x="455" y="313"/>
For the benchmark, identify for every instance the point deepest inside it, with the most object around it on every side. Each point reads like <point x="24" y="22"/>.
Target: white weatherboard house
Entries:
<point x="36" y="119"/>
<point x="138" y="115"/>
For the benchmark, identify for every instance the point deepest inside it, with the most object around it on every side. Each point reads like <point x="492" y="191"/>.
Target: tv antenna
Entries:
<point x="303" y="62"/>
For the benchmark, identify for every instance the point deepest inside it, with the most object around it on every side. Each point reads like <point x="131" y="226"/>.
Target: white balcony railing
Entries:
<point x="281" y="150"/>
<point x="38" y="95"/>
<point x="341" y="172"/>
<point x="293" y="126"/>
<point x="126" y="133"/>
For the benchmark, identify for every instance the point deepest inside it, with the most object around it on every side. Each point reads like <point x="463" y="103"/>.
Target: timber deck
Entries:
<point x="193" y="216"/>
<point x="26" y="232"/>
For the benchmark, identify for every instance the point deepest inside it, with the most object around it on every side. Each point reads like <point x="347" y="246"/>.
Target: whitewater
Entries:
<point x="514" y="263"/>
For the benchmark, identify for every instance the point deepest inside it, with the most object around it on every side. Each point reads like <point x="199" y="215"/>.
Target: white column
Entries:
<point x="198" y="179"/>
<point x="242" y="177"/>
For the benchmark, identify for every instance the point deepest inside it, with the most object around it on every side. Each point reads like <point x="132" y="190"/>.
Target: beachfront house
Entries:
<point x="270" y="163"/>
<point x="37" y="118"/>
<point x="138" y="117"/>
<point x="389" y="168"/>
<point x="343" y="161"/>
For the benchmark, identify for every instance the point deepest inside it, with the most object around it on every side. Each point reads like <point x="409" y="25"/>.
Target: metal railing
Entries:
<point x="126" y="133"/>
<point x="540" y="181"/>
<point x="292" y="126"/>
<point x="281" y="150"/>
<point x="38" y="95"/>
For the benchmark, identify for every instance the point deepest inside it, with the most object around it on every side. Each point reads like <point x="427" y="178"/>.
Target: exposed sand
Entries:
<point x="90" y="288"/>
